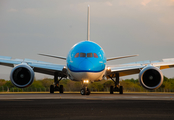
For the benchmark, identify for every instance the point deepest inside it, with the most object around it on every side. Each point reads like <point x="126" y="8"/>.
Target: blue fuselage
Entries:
<point x="86" y="56"/>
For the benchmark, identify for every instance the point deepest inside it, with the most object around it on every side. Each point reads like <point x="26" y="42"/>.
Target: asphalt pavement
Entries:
<point x="92" y="107"/>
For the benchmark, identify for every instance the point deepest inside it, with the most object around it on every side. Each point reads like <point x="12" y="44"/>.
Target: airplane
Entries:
<point x="86" y="62"/>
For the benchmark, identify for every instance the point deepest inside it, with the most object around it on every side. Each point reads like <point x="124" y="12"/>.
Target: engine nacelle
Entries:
<point x="151" y="77"/>
<point x="22" y="76"/>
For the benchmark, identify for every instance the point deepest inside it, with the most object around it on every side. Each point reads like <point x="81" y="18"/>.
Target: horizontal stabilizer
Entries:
<point x="59" y="57"/>
<point x="120" y="57"/>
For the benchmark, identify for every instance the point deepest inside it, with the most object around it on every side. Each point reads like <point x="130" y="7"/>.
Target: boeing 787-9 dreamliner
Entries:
<point x="86" y="62"/>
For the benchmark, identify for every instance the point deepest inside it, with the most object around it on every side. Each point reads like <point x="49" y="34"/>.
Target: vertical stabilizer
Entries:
<point x="88" y="24"/>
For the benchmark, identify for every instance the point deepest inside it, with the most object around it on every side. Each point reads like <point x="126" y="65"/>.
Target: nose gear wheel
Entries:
<point x="85" y="91"/>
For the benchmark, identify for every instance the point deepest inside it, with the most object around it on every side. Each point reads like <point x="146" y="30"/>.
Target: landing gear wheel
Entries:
<point x="111" y="90"/>
<point x="51" y="88"/>
<point x="88" y="91"/>
<point x="121" y="89"/>
<point x="83" y="91"/>
<point x="61" y="89"/>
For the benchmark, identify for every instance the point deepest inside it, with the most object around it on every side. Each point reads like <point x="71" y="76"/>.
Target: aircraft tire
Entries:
<point x="61" y="89"/>
<point x="111" y="89"/>
<point x="51" y="88"/>
<point x="88" y="91"/>
<point x="121" y="89"/>
<point x="82" y="91"/>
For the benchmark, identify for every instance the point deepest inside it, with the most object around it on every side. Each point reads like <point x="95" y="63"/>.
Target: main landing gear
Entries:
<point x="117" y="87"/>
<point x="56" y="86"/>
<point x="85" y="90"/>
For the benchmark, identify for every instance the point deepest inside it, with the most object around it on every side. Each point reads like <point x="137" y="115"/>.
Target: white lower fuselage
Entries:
<point x="90" y="76"/>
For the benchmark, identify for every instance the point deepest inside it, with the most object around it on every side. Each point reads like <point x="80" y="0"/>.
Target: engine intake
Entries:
<point x="151" y="77"/>
<point x="22" y="76"/>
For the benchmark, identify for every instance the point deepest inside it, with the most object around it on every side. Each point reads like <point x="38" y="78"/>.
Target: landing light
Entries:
<point x="108" y="71"/>
<point x="85" y="81"/>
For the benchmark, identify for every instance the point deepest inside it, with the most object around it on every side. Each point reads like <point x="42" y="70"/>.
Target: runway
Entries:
<point x="99" y="96"/>
<point x="95" y="106"/>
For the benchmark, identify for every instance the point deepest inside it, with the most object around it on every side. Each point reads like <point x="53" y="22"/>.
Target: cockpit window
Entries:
<point x="95" y="55"/>
<point x="82" y="54"/>
<point x="89" y="55"/>
<point x="77" y="55"/>
<point x="86" y="55"/>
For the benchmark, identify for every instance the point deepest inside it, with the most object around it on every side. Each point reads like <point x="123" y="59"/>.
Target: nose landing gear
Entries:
<point x="85" y="90"/>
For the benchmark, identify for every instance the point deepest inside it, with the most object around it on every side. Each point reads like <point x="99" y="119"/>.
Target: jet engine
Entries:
<point x="151" y="77"/>
<point x="22" y="76"/>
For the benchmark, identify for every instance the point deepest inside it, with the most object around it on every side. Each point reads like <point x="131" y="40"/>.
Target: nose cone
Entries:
<point x="86" y="66"/>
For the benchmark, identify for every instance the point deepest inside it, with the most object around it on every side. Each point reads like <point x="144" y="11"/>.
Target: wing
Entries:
<point x="38" y="66"/>
<point x="120" y="57"/>
<point x="53" y="56"/>
<point x="136" y="67"/>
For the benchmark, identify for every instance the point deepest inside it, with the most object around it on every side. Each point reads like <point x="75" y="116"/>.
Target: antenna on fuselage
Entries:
<point x="88" y="24"/>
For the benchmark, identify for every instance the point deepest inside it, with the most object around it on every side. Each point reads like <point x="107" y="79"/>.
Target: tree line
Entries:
<point x="129" y="85"/>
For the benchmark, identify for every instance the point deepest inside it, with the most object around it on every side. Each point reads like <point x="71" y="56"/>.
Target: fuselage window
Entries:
<point x="89" y="55"/>
<point x="82" y="54"/>
<point x="95" y="55"/>
<point x="77" y="55"/>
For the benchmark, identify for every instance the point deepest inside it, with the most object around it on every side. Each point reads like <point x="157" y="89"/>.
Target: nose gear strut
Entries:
<point x="85" y="90"/>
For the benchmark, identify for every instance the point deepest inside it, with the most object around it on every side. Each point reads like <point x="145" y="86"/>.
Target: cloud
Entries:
<point x="145" y="2"/>
<point x="108" y="3"/>
<point x="12" y="10"/>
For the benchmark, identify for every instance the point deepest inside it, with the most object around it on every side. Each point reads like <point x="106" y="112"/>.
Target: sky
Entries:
<point x="120" y="27"/>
